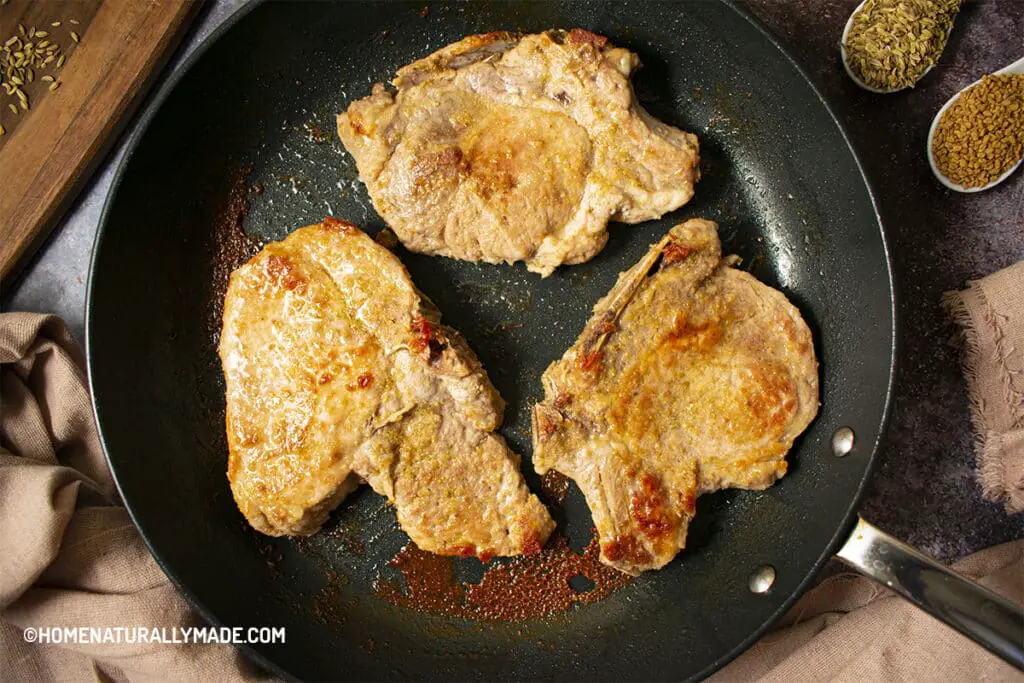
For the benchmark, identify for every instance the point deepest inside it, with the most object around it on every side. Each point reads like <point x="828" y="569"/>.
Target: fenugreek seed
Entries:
<point x="21" y="29"/>
<point x="42" y="34"/>
<point x="74" y="36"/>
<point x="31" y="31"/>
<point x="42" y="44"/>
<point x="54" y="85"/>
<point x="60" y="61"/>
<point x="981" y="135"/>
<point x="13" y="109"/>
<point x="17" y="81"/>
<point x="74" y="21"/>
<point x="24" y="104"/>
<point x="55" y="24"/>
<point x="29" y="75"/>
<point x="3" y="131"/>
<point x="11" y="41"/>
<point x="47" y="79"/>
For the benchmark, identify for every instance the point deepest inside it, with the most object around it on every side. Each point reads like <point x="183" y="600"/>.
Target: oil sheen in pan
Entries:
<point x="159" y="392"/>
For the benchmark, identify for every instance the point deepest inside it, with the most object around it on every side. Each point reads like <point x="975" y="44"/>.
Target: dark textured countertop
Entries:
<point x="923" y="491"/>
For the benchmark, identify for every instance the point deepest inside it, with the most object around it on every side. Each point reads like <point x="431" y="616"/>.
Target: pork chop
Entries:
<point x="505" y="148"/>
<point x="338" y="371"/>
<point x="690" y="377"/>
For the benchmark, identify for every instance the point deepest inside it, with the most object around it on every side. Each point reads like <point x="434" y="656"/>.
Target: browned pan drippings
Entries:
<point x="523" y="587"/>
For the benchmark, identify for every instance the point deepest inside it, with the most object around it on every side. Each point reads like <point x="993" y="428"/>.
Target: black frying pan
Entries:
<point x="779" y="177"/>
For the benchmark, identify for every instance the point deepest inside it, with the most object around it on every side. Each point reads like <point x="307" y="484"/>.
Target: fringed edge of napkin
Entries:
<point x="992" y="475"/>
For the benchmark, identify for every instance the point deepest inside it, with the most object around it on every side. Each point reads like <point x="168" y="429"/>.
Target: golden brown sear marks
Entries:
<point x="691" y="376"/>
<point x="505" y="147"/>
<point x="339" y="372"/>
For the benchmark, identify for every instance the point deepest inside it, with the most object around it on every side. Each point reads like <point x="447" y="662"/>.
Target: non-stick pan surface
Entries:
<point x="779" y="177"/>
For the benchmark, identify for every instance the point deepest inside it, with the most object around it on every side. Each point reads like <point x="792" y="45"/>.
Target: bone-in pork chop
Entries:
<point x="505" y="148"/>
<point x="690" y="377"/>
<point x="338" y="371"/>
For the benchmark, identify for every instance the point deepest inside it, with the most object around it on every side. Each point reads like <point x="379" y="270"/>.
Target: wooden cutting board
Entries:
<point x="102" y="54"/>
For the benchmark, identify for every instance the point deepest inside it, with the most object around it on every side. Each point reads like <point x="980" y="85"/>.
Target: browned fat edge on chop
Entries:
<point x="690" y="377"/>
<point x="505" y="147"/>
<point x="340" y="372"/>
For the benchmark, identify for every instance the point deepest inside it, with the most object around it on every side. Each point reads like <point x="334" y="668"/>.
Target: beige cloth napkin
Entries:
<point x="71" y="557"/>
<point x="990" y="313"/>
<point x="69" y="554"/>
<point x="849" y="628"/>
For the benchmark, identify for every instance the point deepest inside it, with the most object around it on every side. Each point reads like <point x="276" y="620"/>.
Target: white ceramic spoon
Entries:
<point x="846" y="64"/>
<point x="1015" y="68"/>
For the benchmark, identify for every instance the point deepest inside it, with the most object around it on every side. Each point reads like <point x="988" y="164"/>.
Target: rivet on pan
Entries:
<point x="762" y="580"/>
<point x="842" y="442"/>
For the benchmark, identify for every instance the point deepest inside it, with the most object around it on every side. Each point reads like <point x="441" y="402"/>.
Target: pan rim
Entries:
<point x="138" y="133"/>
<point x="170" y="85"/>
<point x="846" y="526"/>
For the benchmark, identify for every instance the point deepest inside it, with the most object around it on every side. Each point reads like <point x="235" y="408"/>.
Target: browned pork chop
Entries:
<point x="691" y="377"/>
<point x="505" y="148"/>
<point x="338" y="371"/>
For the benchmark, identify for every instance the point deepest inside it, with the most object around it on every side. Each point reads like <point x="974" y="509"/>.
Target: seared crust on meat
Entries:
<point x="338" y="371"/>
<point x="505" y="148"/>
<point x="690" y="377"/>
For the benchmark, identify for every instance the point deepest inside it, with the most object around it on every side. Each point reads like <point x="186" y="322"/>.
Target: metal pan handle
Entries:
<point x="983" y="616"/>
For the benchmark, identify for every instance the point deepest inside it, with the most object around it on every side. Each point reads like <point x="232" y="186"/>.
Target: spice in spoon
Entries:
<point x="891" y="43"/>
<point x="981" y="135"/>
